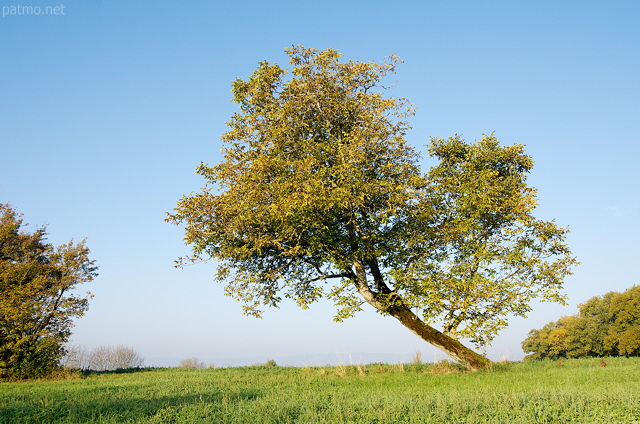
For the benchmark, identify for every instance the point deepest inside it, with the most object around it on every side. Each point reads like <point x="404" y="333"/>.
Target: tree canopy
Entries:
<point x="607" y="325"/>
<point x="37" y="298"/>
<point x="320" y="195"/>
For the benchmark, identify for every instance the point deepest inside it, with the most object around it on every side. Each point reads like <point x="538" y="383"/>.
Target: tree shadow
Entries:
<point x="87" y="373"/>
<point x="119" y="409"/>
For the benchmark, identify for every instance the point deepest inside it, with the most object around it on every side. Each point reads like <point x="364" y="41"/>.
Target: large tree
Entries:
<point x="319" y="194"/>
<point x="37" y="297"/>
<point x="607" y="325"/>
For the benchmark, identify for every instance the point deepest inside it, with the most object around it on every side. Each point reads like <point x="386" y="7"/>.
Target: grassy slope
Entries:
<point x="579" y="391"/>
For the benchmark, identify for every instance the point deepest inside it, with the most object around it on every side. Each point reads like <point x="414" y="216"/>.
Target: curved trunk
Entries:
<point x="466" y="357"/>
<point x="386" y="301"/>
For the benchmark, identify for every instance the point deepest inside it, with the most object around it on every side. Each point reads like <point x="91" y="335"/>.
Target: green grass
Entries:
<point x="579" y="391"/>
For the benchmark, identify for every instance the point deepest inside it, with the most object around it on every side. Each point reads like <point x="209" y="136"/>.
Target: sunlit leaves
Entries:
<point x="320" y="195"/>
<point x="606" y="325"/>
<point x="306" y="155"/>
<point x="37" y="297"/>
<point x="488" y="256"/>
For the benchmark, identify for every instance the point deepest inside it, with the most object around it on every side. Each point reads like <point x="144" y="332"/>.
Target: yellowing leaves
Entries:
<point x="36" y="304"/>
<point x="319" y="187"/>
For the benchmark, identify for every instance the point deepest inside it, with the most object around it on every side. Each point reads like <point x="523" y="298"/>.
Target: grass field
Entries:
<point x="578" y="391"/>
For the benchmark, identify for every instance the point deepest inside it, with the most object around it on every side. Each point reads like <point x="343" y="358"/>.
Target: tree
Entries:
<point x="606" y="325"/>
<point x="319" y="194"/>
<point x="110" y="358"/>
<point x="191" y="363"/>
<point x="37" y="298"/>
<point x="623" y="336"/>
<point x="75" y="357"/>
<point x="565" y="338"/>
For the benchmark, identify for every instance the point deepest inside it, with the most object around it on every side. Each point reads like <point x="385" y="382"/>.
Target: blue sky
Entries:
<point x="107" y="108"/>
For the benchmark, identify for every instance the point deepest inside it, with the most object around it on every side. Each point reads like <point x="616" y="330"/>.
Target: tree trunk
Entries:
<point x="391" y="303"/>
<point x="466" y="357"/>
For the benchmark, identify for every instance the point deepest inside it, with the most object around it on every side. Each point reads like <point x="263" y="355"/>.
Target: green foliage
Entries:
<point x="319" y="195"/>
<point x="37" y="302"/>
<point x="605" y="326"/>
<point x="580" y="391"/>
<point x="484" y="255"/>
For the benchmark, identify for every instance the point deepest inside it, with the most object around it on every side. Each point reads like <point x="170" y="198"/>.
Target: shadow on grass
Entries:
<point x="87" y="373"/>
<point x="104" y="405"/>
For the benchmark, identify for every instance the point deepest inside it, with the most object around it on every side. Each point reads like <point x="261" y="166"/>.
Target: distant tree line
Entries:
<point x="606" y="325"/>
<point x="102" y="358"/>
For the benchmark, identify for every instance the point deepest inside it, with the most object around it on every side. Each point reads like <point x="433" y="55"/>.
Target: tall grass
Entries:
<point x="579" y="391"/>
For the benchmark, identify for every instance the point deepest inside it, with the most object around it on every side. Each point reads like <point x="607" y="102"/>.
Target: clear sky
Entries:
<point x="107" y="107"/>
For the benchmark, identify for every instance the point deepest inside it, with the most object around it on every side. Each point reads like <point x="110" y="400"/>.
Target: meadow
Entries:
<point x="576" y="391"/>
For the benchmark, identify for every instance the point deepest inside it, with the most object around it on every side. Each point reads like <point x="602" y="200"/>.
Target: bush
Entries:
<point x="192" y="363"/>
